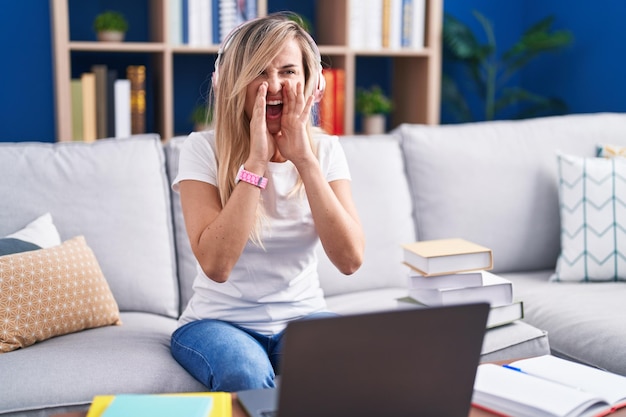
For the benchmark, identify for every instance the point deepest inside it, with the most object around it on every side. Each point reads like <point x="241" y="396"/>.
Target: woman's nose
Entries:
<point x="275" y="84"/>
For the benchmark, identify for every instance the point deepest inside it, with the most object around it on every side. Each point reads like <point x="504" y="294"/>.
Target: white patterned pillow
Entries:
<point x="50" y="292"/>
<point x="592" y="197"/>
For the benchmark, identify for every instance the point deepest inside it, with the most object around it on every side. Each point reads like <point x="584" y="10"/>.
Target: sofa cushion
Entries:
<point x="592" y="194"/>
<point x="381" y="195"/>
<point x="51" y="292"/>
<point x="495" y="183"/>
<point x="115" y="193"/>
<point x="64" y="373"/>
<point x="585" y="322"/>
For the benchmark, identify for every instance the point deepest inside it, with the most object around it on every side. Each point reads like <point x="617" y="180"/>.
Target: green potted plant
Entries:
<point x="202" y="117"/>
<point x="110" y="26"/>
<point x="486" y="73"/>
<point x="373" y="105"/>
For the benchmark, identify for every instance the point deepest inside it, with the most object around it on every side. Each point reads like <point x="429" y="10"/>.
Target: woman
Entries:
<point x="258" y="193"/>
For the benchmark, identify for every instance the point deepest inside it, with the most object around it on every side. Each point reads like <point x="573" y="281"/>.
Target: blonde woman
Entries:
<point x="258" y="194"/>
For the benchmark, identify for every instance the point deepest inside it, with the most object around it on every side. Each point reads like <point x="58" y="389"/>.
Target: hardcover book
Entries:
<point x="88" y="83"/>
<point x="498" y="315"/>
<point x="446" y="256"/>
<point x="460" y="279"/>
<point x="137" y="76"/>
<point x="495" y="290"/>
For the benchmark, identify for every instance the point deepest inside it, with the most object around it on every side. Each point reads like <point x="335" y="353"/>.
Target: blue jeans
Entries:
<point x="227" y="357"/>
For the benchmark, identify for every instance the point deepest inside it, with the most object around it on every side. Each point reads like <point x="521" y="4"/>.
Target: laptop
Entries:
<point x="393" y="363"/>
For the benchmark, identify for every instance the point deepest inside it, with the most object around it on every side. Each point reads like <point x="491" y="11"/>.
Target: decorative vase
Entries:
<point x="374" y="124"/>
<point x="110" y="36"/>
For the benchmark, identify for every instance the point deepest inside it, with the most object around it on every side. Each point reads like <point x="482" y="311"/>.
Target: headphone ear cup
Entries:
<point x="214" y="79"/>
<point x="320" y="87"/>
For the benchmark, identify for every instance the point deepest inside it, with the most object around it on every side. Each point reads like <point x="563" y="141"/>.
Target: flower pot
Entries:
<point x="110" y="36"/>
<point x="374" y="124"/>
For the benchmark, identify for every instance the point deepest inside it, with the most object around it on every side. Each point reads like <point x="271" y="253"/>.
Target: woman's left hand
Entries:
<point x="292" y="140"/>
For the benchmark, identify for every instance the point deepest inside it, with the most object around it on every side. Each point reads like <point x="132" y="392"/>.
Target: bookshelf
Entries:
<point x="416" y="73"/>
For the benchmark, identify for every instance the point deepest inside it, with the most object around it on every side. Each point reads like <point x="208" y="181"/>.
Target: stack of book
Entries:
<point x="455" y="271"/>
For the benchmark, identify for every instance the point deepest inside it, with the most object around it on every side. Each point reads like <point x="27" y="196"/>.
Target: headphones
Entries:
<point x="320" y="82"/>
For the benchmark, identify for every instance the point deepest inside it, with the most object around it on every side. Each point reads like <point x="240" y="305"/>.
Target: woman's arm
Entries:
<point x="218" y="235"/>
<point x="335" y="216"/>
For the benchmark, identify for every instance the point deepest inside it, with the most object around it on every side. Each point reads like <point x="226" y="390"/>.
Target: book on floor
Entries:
<point x="446" y="256"/>
<point x="495" y="290"/>
<point x="498" y="315"/>
<point x="548" y="386"/>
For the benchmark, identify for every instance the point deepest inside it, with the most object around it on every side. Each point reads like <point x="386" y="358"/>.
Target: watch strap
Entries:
<point x="250" y="178"/>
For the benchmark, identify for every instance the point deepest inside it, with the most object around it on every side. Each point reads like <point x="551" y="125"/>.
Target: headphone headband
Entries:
<point x="319" y="82"/>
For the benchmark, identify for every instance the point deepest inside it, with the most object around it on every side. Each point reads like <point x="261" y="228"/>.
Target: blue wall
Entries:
<point x="588" y="75"/>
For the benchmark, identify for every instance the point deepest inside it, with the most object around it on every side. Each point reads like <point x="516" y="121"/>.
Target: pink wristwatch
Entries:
<point x="250" y="178"/>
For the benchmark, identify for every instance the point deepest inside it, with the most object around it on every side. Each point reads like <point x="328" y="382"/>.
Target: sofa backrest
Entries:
<point x="114" y="192"/>
<point x="186" y="261"/>
<point x="495" y="183"/>
<point x="381" y="195"/>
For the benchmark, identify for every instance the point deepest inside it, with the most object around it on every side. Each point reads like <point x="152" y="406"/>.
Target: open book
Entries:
<point x="548" y="386"/>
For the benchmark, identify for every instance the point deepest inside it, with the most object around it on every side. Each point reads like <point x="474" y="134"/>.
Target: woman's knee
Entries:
<point x="222" y="356"/>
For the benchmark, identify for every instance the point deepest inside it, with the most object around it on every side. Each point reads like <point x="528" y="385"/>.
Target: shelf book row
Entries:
<point x="207" y="22"/>
<point x="104" y="105"/>
<point x="454" y="271"/>
<point x="392" y="24"/>
<point x="332" y="106"/>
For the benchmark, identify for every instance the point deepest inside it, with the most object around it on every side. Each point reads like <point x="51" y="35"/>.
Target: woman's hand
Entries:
<point x="262" y="144"/>
<point x="292" y="139"/>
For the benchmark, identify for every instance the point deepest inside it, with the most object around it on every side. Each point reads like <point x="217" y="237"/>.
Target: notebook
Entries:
<point x="393" y="363"/>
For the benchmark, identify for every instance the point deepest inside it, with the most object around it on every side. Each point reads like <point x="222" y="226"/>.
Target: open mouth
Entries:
<point x="274" y="109"/>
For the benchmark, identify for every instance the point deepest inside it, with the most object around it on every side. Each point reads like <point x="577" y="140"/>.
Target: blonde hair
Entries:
<point x="243" y="56"/>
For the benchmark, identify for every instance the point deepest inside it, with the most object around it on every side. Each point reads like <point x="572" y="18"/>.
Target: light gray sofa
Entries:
<point x="494" y="183"/>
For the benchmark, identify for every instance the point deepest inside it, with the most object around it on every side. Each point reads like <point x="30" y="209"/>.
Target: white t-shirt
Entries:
<point x="267" y="287"/>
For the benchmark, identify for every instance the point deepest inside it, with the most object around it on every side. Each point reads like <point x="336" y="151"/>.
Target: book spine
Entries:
<point x="356" y="25"/>
<point x="88" y="81"/>
<point x="395" y="27"/>
<point x="340" y="101"/>
<point x="386" y="23"/>
<point x="111" y="77"/>
<point x="251" y="9"/>
<point x="184" y="22"/>
<point x="407" y="23"/>
<point x="100" y="72"/>
<point x="122" y="108"/>
<point x="137" y="76"/>
<point x="175" y="22"/>
<point x="77" y="109"/>
<point x="418" y="24"/>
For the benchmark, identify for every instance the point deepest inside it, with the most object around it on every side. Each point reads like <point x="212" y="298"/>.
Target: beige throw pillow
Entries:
<point x="51" y="292"/>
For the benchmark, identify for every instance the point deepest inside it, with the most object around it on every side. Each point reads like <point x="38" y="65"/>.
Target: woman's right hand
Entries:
<point x="262" y="146"/>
